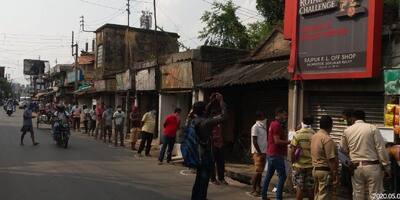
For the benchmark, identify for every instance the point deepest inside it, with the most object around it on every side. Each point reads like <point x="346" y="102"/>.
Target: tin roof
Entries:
<point x="247" y="74"/>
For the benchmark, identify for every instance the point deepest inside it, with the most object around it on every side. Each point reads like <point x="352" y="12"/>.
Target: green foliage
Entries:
<point x="5" y="88"/>
<point x="272" y="10"/>
<point x="257" y="32"/>
<point x="223" y="28"/>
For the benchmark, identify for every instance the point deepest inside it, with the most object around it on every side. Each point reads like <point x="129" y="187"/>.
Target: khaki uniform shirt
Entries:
<point x="322" y="149"/>
<point x="364" y="142"/>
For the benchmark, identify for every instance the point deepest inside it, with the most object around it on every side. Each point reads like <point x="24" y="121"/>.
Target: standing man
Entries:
<point x="92" y="120"/>
<point x="204" y="126"/>
<point x="135" y="124"/>
<point x="108" y="123"/>
<point x="86" y="118"/>
<point x="258" y="149"/>
<point x="76" y="115"/>
<point x="366" y="147"/>
<point x="171" y="125"/>
<point x="148" y="130"/>
<point x="276" y="151"/>
<point x="99" y="120"/>
<point x="301" y="159"/>
<point x="119" y="119"/>
<point x="27" y="125"/>
<point x="345" y="174"/>
<point x="324" y="159"/>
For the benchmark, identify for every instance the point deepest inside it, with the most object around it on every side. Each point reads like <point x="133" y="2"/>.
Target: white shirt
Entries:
<point x="119" y="117"/>
<point x="259" y="129"/>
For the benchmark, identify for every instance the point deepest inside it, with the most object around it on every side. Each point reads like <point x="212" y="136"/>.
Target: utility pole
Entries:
<point x="76" y="46"/>
<point x="82" y="25"/>
<point x="128" y="10"/>
<point x="155" y="30"/>
<point x="128" y="59"/>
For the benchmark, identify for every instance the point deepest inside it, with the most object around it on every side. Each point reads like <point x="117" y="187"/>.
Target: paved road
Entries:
<point x="88" y="170"/>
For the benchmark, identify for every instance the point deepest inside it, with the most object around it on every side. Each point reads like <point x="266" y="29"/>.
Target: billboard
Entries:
<point x="35" y="67"/>
<point x="335" y="39"/>
<point x="392" y="82"/>
<point x="2" y="72"/>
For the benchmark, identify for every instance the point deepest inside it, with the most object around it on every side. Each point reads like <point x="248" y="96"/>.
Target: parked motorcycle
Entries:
<point x="61" y="133"/>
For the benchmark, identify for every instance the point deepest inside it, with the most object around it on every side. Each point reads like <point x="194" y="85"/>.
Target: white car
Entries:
<point x="22" y="104"/>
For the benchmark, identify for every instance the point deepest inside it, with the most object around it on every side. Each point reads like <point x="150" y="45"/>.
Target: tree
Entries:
<point x="272" y="10"/>
<point x="223" y="28"/>
<point x="257" y="32"/>
<point x="5" y="89"/>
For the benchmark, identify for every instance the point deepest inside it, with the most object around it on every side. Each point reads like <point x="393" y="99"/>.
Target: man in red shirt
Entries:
<point x="171" y="126"/>
<point x="277" y="149"/>
<point x="99" y="120"/>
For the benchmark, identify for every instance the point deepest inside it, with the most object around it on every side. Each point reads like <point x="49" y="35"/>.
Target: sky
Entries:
<point x="33" y="29"/>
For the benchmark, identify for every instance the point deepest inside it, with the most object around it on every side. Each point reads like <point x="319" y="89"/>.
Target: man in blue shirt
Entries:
<point x="27" y="124"/>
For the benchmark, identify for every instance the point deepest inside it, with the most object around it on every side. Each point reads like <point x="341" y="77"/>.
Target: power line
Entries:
<point x="100" y="5"/>
<point x="243" y="11"/>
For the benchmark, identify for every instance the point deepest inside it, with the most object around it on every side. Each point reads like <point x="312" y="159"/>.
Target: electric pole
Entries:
<point x="82" y="24"/>
<point x="128" y="10"/>
<point x="76" y="63"/>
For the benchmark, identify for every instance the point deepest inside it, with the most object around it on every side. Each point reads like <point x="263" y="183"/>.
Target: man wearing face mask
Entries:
<point x="119" y="119"/>
<point x="301" y="159"/>
<point x="276" y="151"/>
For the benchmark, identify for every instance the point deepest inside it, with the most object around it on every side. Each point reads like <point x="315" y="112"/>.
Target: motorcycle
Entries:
<point x="61" y="133"/>
<point x="45" y="117"/>
<point x="10" y="110"/>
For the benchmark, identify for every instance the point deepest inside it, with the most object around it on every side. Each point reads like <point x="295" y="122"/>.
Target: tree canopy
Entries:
<point x="223" y="28"/>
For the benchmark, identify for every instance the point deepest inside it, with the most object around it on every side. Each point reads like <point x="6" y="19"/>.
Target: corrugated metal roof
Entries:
<point x="247" y="74"/>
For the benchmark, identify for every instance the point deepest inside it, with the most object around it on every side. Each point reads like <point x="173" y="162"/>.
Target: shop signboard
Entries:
<point x="335" y="39"/>
<point x="392" y="82"/>
<point x="124" y="81"/>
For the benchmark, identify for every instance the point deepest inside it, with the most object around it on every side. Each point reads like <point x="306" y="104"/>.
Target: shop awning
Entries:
<point x="248" y="74"/>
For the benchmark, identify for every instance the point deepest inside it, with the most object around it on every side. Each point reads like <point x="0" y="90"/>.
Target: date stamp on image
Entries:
<point x="378" y="196"/>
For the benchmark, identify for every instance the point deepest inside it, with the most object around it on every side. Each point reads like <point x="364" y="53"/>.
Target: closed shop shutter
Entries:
<point x="333" y="104"/>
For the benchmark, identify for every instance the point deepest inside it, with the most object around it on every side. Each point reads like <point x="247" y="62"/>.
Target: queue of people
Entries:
<point x="315" y="157"/>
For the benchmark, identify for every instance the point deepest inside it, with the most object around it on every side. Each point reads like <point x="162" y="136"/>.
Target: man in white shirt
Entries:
<point x="258" y="149"/>
<point x="119" y="119"/>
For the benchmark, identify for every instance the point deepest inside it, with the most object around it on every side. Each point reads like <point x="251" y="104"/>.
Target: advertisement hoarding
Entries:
<point x="2" y="72"/>
<point x="335" y="39"/>
<point x="35" y="67"/>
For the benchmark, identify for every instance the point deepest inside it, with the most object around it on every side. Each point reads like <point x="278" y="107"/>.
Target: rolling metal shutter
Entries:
<point x="334" y="103"/>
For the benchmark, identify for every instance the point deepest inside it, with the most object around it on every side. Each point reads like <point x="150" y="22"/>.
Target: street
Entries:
<point x="88" y="169"/>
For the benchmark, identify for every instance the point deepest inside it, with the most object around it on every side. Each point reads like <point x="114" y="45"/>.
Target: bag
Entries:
<point x="297" y="154"/>
<point x="190" y="147"/>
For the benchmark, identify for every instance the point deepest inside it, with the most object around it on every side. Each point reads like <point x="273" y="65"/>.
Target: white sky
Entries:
<point x="33" y="28"/>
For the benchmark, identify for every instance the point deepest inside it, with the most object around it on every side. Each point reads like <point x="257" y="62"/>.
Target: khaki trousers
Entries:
<point x="321" y="185"/>
<point x="370" y="177"/>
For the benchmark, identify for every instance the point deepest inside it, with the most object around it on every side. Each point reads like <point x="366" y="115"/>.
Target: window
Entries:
<point x="99" y="56"/>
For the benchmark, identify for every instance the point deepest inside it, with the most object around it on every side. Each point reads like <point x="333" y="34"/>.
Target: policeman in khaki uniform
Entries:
<point x="366" y="148"/>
